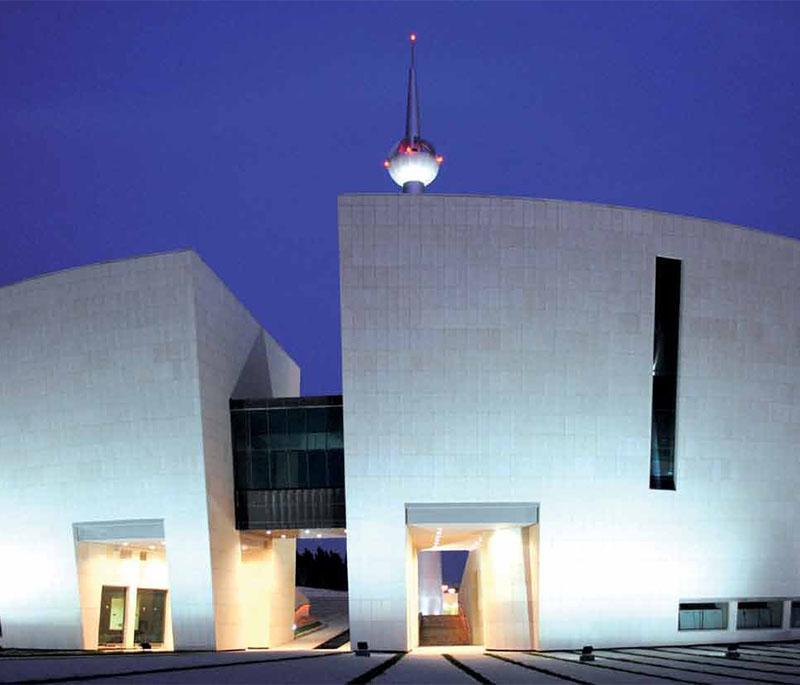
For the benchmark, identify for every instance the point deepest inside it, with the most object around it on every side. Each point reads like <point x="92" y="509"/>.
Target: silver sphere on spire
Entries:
<point x="413" y="163"/>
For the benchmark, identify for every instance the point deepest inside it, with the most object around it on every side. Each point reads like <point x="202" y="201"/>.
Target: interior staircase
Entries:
<point x="443" y="630"/>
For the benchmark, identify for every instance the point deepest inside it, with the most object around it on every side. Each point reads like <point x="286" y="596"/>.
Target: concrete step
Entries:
<point x="443" y="630"/>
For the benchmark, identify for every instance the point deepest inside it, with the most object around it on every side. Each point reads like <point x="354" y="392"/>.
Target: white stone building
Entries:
<point x="116" y="476"/>
<point x="498" y="381"/>
<point x="601" y="405"/>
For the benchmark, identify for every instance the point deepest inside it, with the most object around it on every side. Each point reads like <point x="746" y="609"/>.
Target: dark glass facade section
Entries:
<point x="301" y="508"/>
<point x="288" y="456"/>
<point x="794" y="618"/>
<point x="665" y="373"/>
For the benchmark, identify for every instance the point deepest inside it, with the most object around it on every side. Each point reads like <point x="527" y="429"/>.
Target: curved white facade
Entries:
<point x="500" y="350"/>
<point x="115" y="381"/>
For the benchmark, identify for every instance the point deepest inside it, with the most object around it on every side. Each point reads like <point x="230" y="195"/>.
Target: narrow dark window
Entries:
<point x="795" y="617"/>
<point x="665" y="373"/>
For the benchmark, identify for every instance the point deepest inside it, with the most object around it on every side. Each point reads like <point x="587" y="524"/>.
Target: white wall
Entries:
<point x="281" y="617"/>
<point x="227" y="338"/>
<point x="469" y="595"/>
<point x="430" y="583"/>
<point x="267" y="581"/>
<point x="505" y="590"/>
<point x="114" y="388"/>
<point x="99" y="420"/>
<point x="499" y="349"/>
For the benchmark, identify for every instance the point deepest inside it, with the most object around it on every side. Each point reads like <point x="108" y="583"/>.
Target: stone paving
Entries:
<point x="775" y="662"/>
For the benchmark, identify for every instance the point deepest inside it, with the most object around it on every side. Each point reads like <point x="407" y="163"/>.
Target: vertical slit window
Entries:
<point x="665" y="373"/>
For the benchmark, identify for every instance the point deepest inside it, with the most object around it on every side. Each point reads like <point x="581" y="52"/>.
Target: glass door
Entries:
<point x="150" y="608"/>
<point x="112" y="616"/>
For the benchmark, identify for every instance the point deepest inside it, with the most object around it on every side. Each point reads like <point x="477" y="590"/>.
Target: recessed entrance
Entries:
<point x="494" y="601"/>
<point x="123" y="581"/>
<point x="442" y="618"/>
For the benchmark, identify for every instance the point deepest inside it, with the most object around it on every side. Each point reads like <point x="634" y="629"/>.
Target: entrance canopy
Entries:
<point x="484" y="514"/>
<point x="457" y="525"/>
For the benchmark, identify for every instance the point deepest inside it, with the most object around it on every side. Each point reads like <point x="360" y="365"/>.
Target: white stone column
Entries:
<point x="507" y="619"/>
<point x="256" y="577"/>
<point x="412" y="593"/>
<point x="430" y="583"/>
<point x="130" y="617"/>
<point x="281" y="591"/>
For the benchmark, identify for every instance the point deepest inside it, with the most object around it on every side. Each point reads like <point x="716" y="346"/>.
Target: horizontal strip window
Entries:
<point x="286" y="470"/>
<point x="274" y="402"/>
<point x="703" y="616"/>
<point x="759" y="615"/>
<point x="299" y="428"/>
<point x="287" y="448"/>
<point x="666" y="328"/>
<point x="272" y="509"/>
<point x="795" y="616"/>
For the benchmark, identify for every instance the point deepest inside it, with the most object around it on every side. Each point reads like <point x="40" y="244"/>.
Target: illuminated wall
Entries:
<point x="504" y="590"/>
<point x="501" y="349"/>
<point x="430" y="582"/>
<point x="114" y="388"/>
<point x="469" y="593"/>
<point x="266" y="578"/>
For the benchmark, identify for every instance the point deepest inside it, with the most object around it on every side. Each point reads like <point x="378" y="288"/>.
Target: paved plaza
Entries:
<point x="774" y="662"/>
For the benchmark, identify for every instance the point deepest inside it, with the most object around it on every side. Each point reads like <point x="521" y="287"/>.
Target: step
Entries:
<point x="443" y="630"/>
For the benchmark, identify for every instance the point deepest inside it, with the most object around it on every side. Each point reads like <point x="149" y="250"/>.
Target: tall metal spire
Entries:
<point x="412" y="105"/>
<point x="413" y="163"/>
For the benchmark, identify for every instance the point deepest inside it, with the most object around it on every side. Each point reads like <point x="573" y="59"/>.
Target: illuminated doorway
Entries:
<point x="443" y="619"/>
<point x="150" y="615"/>
<point x="495" y="603"/>
<point x="123" y="583"/>
<point x="111" y="630"/>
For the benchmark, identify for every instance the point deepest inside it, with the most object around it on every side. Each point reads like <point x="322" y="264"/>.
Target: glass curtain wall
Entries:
<point x="289" y="462"/>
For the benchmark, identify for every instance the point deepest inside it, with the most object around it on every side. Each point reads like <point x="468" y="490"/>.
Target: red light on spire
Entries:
<point x="413" y="37"/>
<point x="385" y="163"/>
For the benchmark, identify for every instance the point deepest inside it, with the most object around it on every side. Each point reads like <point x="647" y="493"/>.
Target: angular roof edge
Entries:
<point x="148" y="255"/>
<point x="604" y="205"/>
<point x="151" y="255"/>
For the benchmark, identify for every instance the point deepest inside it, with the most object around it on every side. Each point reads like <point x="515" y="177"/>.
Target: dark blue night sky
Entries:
<point x="231" y="128"/>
